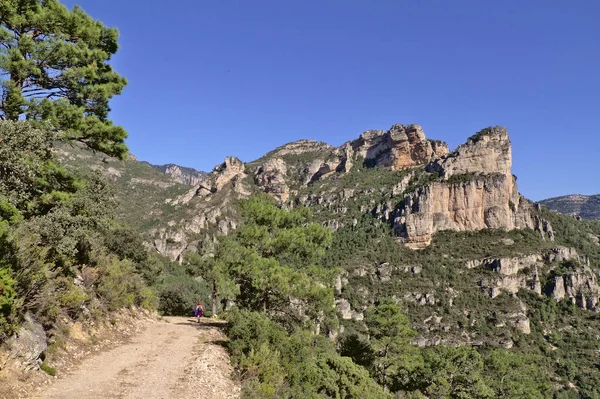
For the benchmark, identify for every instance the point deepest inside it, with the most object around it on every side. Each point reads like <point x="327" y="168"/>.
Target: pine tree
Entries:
<point x="389" y="339"/>
<point x="54" y="65"/>
<point x="274" y="261"/>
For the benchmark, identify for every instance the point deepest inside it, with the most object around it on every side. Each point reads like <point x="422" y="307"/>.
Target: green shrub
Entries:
<point x="119" y="284"/>
<point x="275" y="363"/>
<point x="8" y="305"/>
<point x="178" y="293"/>
<point x="48" y="369"/>
<point x="70" y="296"/>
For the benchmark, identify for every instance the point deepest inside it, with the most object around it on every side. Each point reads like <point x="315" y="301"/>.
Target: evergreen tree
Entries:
<point x="273" y="259"/>
<point x="389" y="339"/>
<point x="453" y="373"/>
<point x="54" y="65"/>
<point x="212" y="272"/>
<point x="516" y="376"/>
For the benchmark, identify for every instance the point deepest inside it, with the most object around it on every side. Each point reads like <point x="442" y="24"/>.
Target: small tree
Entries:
<point x="212" y="272"/>
<point x="54" y="66"/>
<point x="455" y="373"/>
<point x="273" y="260"/>
<point x="389" y="339"/>
<point x="514" y="375"/>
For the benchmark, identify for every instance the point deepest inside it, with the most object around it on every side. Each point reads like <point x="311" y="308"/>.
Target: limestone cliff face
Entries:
<point x="487" y="152"/>
<point x="579" y="284"/>
<point x="476" y="204"/>
<point x="401" y="147"/>
<point x="187" y="176"/>
<point x="271" y="177"/>
<point x="472" y="189"/>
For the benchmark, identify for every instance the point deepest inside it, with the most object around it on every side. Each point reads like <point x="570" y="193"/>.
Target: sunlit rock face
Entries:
<point x="472" y="189"/>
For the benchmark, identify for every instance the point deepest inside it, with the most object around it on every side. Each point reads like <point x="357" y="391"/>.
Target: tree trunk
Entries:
<point x="214" y="298"/>
<point x="264" y="301"/>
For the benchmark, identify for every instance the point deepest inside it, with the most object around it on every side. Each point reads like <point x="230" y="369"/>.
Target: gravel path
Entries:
<point x="174" y="359"/>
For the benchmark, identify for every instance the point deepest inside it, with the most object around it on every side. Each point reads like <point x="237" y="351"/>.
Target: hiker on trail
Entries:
<point x="199" y="311"/>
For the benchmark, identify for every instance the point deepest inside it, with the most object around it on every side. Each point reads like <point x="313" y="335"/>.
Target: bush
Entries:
<point x="178" y="293"/>
<point x="8" y="308"/>
<point x="275" y="363"/>
<point x="120" y="285"/>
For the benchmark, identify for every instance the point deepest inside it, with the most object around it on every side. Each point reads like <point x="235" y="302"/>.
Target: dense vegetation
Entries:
<point x="63" y="255"/>
<point x="59" y="246"/>
<point x="285" y="337"/>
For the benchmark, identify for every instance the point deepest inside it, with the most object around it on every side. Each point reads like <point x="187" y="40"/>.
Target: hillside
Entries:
<point x="585" y="206"/>
<point x="444" y="232"/>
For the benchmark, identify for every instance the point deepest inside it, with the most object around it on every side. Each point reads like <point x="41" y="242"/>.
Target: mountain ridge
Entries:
<point x="479" y="170"/>
<point x="584" y="206"/>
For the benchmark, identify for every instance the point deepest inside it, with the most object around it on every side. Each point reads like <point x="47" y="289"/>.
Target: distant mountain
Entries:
<point x="187" y="176"/>
<point x="586" y="206"/>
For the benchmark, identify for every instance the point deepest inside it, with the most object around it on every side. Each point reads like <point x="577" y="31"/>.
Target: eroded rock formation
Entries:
<point x="401" y="147"/>
<point x="472" y="189"/>
<point x="577" y="283"/>
<point x="271" y="177"/>
<point x="187" y="176"/>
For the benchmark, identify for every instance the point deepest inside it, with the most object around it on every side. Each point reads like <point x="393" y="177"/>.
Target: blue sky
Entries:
<point x="209" y="79"/>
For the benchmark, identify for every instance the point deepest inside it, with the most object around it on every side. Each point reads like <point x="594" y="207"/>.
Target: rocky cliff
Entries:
<point x="471" y="188"/>
<point x="401" y="147"/>
<point x="430" y="189"/>
<point x="181" y="174"/>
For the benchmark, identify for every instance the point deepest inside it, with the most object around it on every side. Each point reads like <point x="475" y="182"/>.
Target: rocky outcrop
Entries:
<point x="229" y="170"/>
<point x="28" y="345"/>
<point x="439" y="147"/>
<point x="170" y="243"/>
<point x="487" y="152"/>
<point x="577" y="283"/>
<point x="271" y="178"/>
<point x="561" y="254"/>
<point x="232" y="170"/>
<point x="472" y="189"/>
<point x="580" y="286"/>
<point x="514" y="273"/>
<point x="346" y="312"/>
<point x="401" y="147"/>
<point x="183" y="175"/>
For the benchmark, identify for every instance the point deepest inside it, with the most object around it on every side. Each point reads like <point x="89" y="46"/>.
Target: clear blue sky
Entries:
<point x="209" y="79"/>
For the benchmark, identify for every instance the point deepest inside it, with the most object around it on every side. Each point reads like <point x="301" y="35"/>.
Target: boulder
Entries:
<point x="28" y="345"/>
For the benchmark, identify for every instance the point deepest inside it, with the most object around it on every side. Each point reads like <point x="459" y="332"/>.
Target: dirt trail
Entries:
<point x="174" y="359"/>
